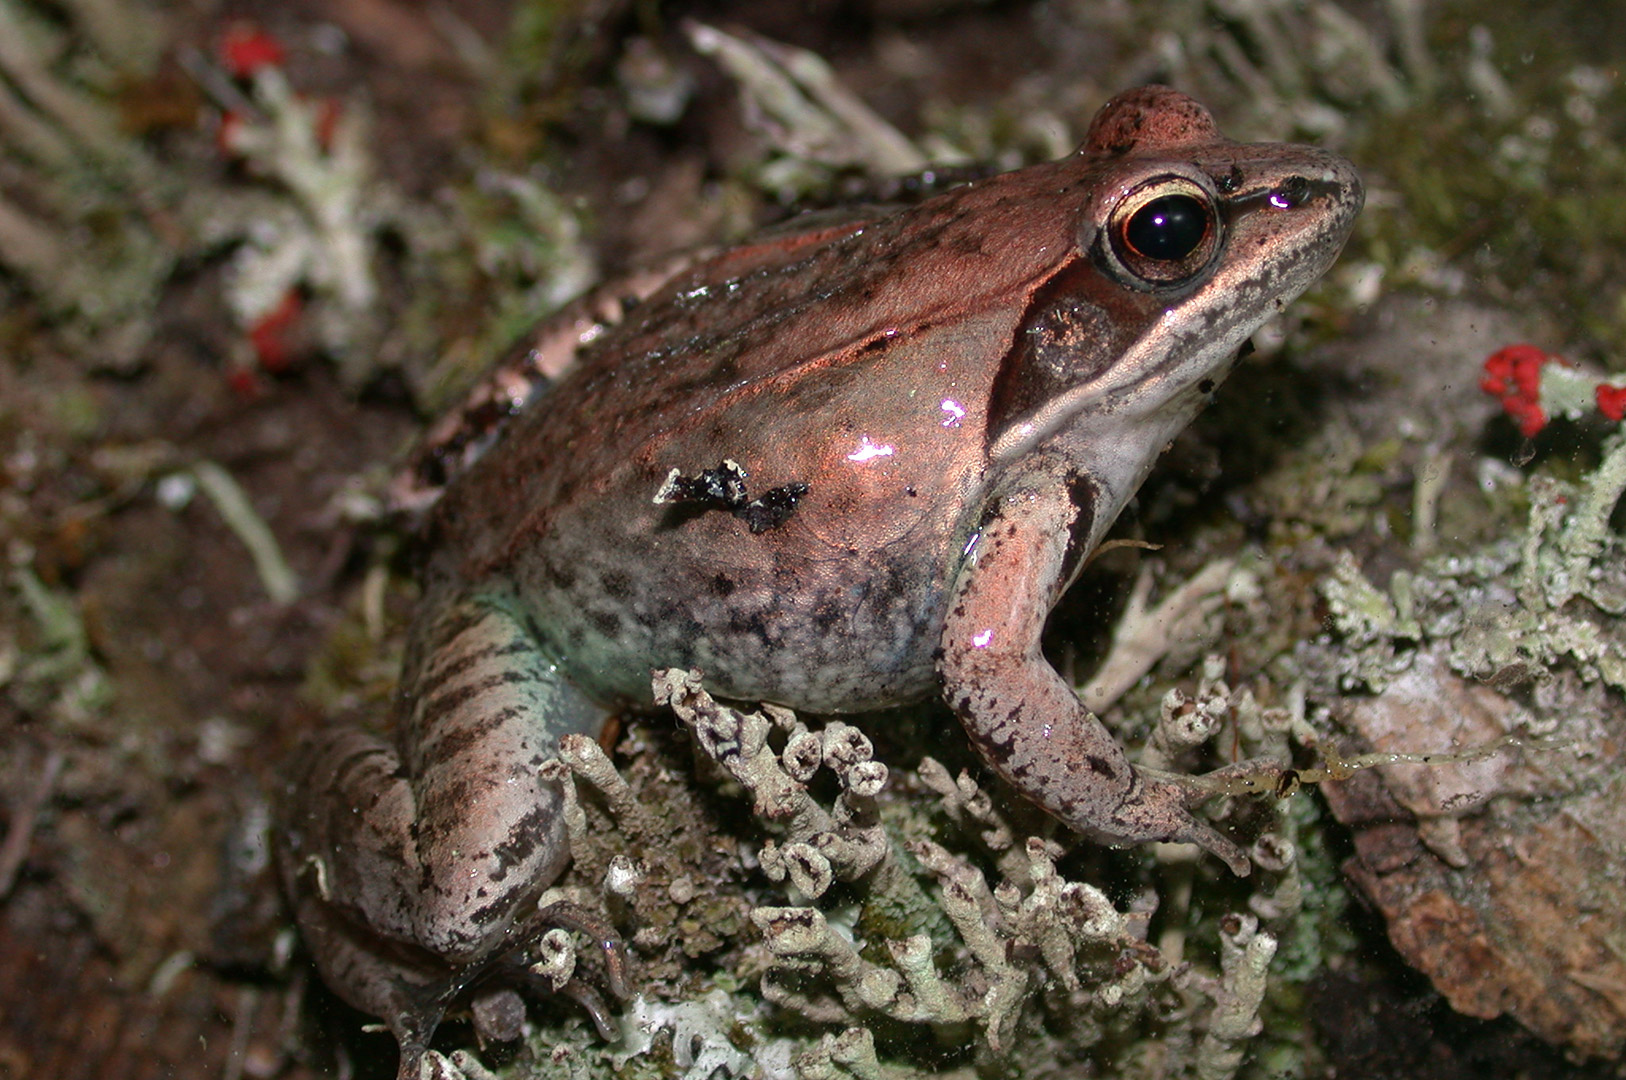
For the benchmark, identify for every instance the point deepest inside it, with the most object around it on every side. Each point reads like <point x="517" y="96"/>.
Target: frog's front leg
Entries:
<point x="411" y="867"/>
<point x="1022" y="716"/>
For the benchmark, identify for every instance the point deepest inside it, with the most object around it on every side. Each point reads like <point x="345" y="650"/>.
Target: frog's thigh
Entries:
<point x="442" y="845"/>
<point x="1023" y="717"/>
<point x="489" y="708"/>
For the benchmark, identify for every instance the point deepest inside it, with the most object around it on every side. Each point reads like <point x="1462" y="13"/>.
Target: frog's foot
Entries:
<point x="1257" y="776"/>
<point x="1157" y="806"/>
<point x="612" y="950"/>
<point x="408" y="988"/>
<point x="1197" y="831"/>
<point x="519" y="968"/>
<point x="411" y="990"/>
<point x="1260" y="776"/>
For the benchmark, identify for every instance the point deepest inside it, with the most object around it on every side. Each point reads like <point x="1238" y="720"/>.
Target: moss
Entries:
<point x="1524" y="222"/>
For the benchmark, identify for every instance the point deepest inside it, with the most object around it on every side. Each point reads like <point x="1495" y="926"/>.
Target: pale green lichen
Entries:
<point x="1511" y="611"/>
<point x="1245" y="955"/>
<point x="1572" y="392"/>
<point x="837" y="1057"/>
<point x="815" y="122"/>
<point x="873" y="934"/>
<point x="697" y="1029"/>
<point x="67" y="230"/>
<point x="52" y="670"/>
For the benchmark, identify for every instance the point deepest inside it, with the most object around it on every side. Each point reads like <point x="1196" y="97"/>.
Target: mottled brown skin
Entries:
<point x="970" y="390"/>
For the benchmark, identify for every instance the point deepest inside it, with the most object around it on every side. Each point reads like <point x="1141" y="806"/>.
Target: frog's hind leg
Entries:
<point x="408" y="990"/>
<point x="411" y="990"/>
<point x="444" y="846"/>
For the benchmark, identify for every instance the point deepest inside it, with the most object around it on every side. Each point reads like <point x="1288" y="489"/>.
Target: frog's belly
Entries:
<point x="845" y="632"/>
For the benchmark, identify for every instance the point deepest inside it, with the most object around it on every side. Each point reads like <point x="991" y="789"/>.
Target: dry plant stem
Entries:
<point x="1144" y="635"/>
<point x="77" y="115"/>
<point x="130" y="36"/>
<point x="1407" y="16"/>
<point x="24" y="813"/>
<point x="32" y="251"/>
<point x="1277" y="53"/>
<point x="275" y="574"/>
<point x="29" y="133"/>
<point x="798" y="93"/>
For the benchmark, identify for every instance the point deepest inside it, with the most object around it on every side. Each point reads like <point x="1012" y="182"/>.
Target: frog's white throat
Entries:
<point x="1102" y="431"/>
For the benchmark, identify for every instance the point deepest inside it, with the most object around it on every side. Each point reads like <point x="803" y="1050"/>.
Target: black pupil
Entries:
<point x="1169" y="228"/>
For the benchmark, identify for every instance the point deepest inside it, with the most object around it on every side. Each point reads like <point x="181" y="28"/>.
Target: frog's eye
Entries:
<point x="1164" y="232"/>
<point x="1167" y="229"/>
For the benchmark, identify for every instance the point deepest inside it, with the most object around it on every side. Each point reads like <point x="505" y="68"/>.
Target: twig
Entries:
<point x="24" y="814"/>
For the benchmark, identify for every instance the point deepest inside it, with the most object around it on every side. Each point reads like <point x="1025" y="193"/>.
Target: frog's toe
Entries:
<point x="593" y="1004"/>
<point x="1199" y="832"/>
<point x="497" y="1008"/>
<point x="611" y="949"/>
<point x="1159" y="807"/>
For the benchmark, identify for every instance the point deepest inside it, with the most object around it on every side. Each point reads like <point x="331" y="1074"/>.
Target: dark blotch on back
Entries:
<point x="617" y="585"/>
<point x="606" y="623"/>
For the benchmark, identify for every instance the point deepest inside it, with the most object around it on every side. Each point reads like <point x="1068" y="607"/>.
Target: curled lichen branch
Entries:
<point x="818" y="846"/>
<point x="738" y="741"/>
<point x="803" y="933"/>
<point x="837" y="1057"/>
<point x="588" y="761"/>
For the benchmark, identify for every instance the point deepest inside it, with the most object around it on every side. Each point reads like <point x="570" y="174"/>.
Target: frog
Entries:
<point x="844" y="466"/>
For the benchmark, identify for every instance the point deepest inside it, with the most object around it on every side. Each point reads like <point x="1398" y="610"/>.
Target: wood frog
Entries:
<point x="842" y="467"/>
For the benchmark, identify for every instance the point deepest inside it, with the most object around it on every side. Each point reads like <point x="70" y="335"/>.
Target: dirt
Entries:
<point x="143" y="935"/>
